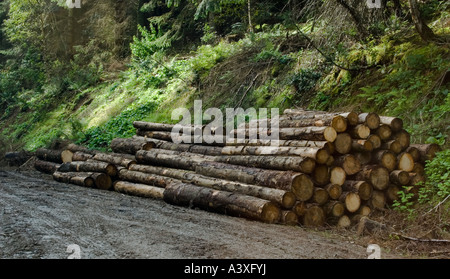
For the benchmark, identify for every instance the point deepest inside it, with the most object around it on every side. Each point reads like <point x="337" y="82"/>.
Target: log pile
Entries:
<point x="328" y="168"/>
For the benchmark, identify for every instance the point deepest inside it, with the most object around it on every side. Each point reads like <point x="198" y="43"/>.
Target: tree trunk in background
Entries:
<point x="424" y="31"/>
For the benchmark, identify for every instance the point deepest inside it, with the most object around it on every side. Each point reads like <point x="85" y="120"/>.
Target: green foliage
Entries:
<point x="120" y="126"/>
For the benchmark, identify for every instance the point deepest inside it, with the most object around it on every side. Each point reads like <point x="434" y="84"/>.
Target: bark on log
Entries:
<point x="299" y="164"/>
<point x="363" y="188"/>
<point x="223" y="202"/>
<point x="360" y="131"/>
<point x="89" y="166"/>
<point x="386" y="159"/>
<point x="399" y="177"/>
<point x="308" y="133"/>
<point x="352" y="117"/>
<point x="405" y="162"/>
<point x="349" y="163"/>
<point x="285" y="199"/>
<point x="46" y="166"/>
<point x="77" y="178"/>
<point x="145" y="178"/>
<point x="102" y="181"/>
<point x="337" y="175"/>
<point x="140" y="190"/>
<point x="376" y="175"/>
<point x="351" y="200"/>
<point x="130" y="146"/>
<point x="17" y="158"/>
<point x="124" y="160"/>
<point x="56" y="156"/>
<point x="149" y="126"/>
<point x="314" y="216"/>
<point x="334" y="191"/>
<point x="427" y="151"/>
<point x="371" y="120"/>
<point x="343" y="143"/>
<point x="396" y="124"/>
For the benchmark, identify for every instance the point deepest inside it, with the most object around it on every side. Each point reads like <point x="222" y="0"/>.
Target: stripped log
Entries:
<point x="285" y="199"/>
<point x="376" y="175"/>
<point x="363" y="188"/>
<point x="56" y="156"/>
<point x="233" y="204"/>
<point x="46" y="166"/>
<point x="140" y="190"/>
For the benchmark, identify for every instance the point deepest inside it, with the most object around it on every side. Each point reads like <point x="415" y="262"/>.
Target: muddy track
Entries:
<point x="40" y="218"/>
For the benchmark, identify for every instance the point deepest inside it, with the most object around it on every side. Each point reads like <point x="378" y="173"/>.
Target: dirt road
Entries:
<point x="40" y="218"/>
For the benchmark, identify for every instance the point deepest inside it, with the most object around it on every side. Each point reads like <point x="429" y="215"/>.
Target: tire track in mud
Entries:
<point x="41" y="217"/>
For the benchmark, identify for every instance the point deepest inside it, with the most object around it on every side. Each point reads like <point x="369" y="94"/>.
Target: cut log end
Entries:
<point x="302" y="187"/>
<point x="288" y="200"/>
<point x="314" y="216"/>
<point x="330" y="134"/>
<point x="270" y="213"/>
<point x="343" y="143"/>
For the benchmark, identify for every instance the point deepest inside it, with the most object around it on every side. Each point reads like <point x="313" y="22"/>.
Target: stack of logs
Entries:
<point x="328" y="168"/>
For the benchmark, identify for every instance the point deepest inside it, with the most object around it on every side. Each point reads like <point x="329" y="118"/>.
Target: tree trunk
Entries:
<point x="144" y="178"/>
<point x="363" y="188"/>
<point x="356" y="18"/>
<point x="81" y="156"/>
<point x="308" y="133"/>
<point x="140" y="190"/>
<point x="351" y="117"/>
<point x="77" y="148"/>
<point x="55" y="156"/>
<point x="424" y="31"/>
<point x="284" y="198"/>
<point x="376" y="175"/>
<point x="427" y="151"/>
<point x="130" y="146"/>
<point x="223" y="202"/>
<point x="46" y="166"/>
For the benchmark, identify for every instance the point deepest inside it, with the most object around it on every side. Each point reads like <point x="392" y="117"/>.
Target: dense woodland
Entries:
<point x="85" y="74"/>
